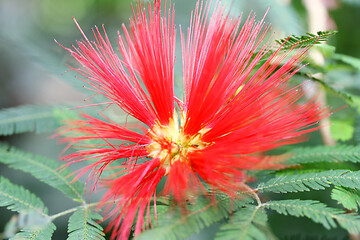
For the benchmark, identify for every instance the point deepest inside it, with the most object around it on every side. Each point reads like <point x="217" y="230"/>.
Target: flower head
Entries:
<point x="234" y="108"/>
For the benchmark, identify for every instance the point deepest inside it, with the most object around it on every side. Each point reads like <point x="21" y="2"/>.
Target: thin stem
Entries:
<point x="84" y="206"/>
<point x="53" y="217"/>
<point x="253" y="193"/>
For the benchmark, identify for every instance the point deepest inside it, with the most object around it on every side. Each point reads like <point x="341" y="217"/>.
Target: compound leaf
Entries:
<point x="83" y="225"/>
<point x="19" y="199"/>
<point x="315" y="181"/>
<point x="42" y="168"/>
<point x="317" y="212"/>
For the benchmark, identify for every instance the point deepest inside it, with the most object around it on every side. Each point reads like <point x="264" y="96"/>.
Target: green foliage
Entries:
<point x="83" y="225"/>
<point x="248" y="223"/>
<point x="325" y="49"/>
<point x="340" y="93"/>
<point x="305" y="40"/>
<point x="356" y="135"/>
<point x="348" y="197"/>
<point x="317" y="212"/>
<point x="42" y="232"/>
<point x="19" y="199"/>
<point x="356" y="103"/>
<point x="174" y="225"/>
<point x="341" y="130"/>
<point x="351" y="61"/>
<point x="352" y="2"/>
<point x="27" y="118"/>
<point x="315" y="181"/>
<point x="335" y="154"/>
<point x="42" y="168"/>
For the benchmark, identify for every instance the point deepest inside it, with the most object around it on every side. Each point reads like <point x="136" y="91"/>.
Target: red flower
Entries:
<point x="232" y="110"/>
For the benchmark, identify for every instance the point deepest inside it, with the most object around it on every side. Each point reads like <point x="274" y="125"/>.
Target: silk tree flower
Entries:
<point x="235" y="107"/>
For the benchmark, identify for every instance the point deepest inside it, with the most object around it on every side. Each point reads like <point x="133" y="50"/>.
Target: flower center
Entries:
<point x="170" y="144"/>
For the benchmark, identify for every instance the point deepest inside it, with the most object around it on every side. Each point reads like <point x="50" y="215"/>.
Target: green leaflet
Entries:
<point x="315" y="181"/>
<point x="356" y="103"/>
<point x="325" y="49"/>
<point x="317" y="212"/>
<point x="338" y="153"/>
<point x="352" y="61"/>
<point x="249" y="223"/>
<point x="305" y="40"/>
<point x="43" y="232"/>
<point x="200" y="215"/>
<point x="19" y="199"/>
<point x="43" y="169"/>
<point x="83" y="225"/>
<point x="349" y="198"/>
<point x="341" y="130"/>
<point x="27" y="118"/>
<point x="293" y="42"/>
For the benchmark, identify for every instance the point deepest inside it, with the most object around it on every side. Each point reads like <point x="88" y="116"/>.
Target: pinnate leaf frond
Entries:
<point x="348" y="197"/>
<point x="175" y="226"/>
<point x="42" y="168"/>
<point x="83" y="225"/>
<point x="339" y="153"/>
<point x="315" y="181"/>
<point x="305" y="40"/>
<point x="317" y="212"/>
<point x="19" y="199"/>
<point x="27" y="118"/>
<point x="249" y="223"/>
<point x="42" y="232"/>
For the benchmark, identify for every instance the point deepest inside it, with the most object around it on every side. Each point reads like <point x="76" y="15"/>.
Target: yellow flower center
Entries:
<point x="170" y="144"/>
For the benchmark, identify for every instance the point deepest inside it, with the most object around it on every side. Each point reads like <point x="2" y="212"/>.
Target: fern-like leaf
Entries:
<point x="349" y="198"/>
<point x="28" y="118"/>
<point x="43" y="169"/>
<point x="176" y="226"/>
<point x="317" y="212"/>
<point x="307" y="181"/>
<point x="305" y="40"/>
<point x="339" y="153"/>
<point x="83" y="225"/>
<point x="249" y="223"/>
<point x="43" y="232"/>
<point x="19" y="199"/>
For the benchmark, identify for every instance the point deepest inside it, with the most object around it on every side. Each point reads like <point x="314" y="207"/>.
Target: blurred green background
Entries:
<point x="33" y="67"/>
